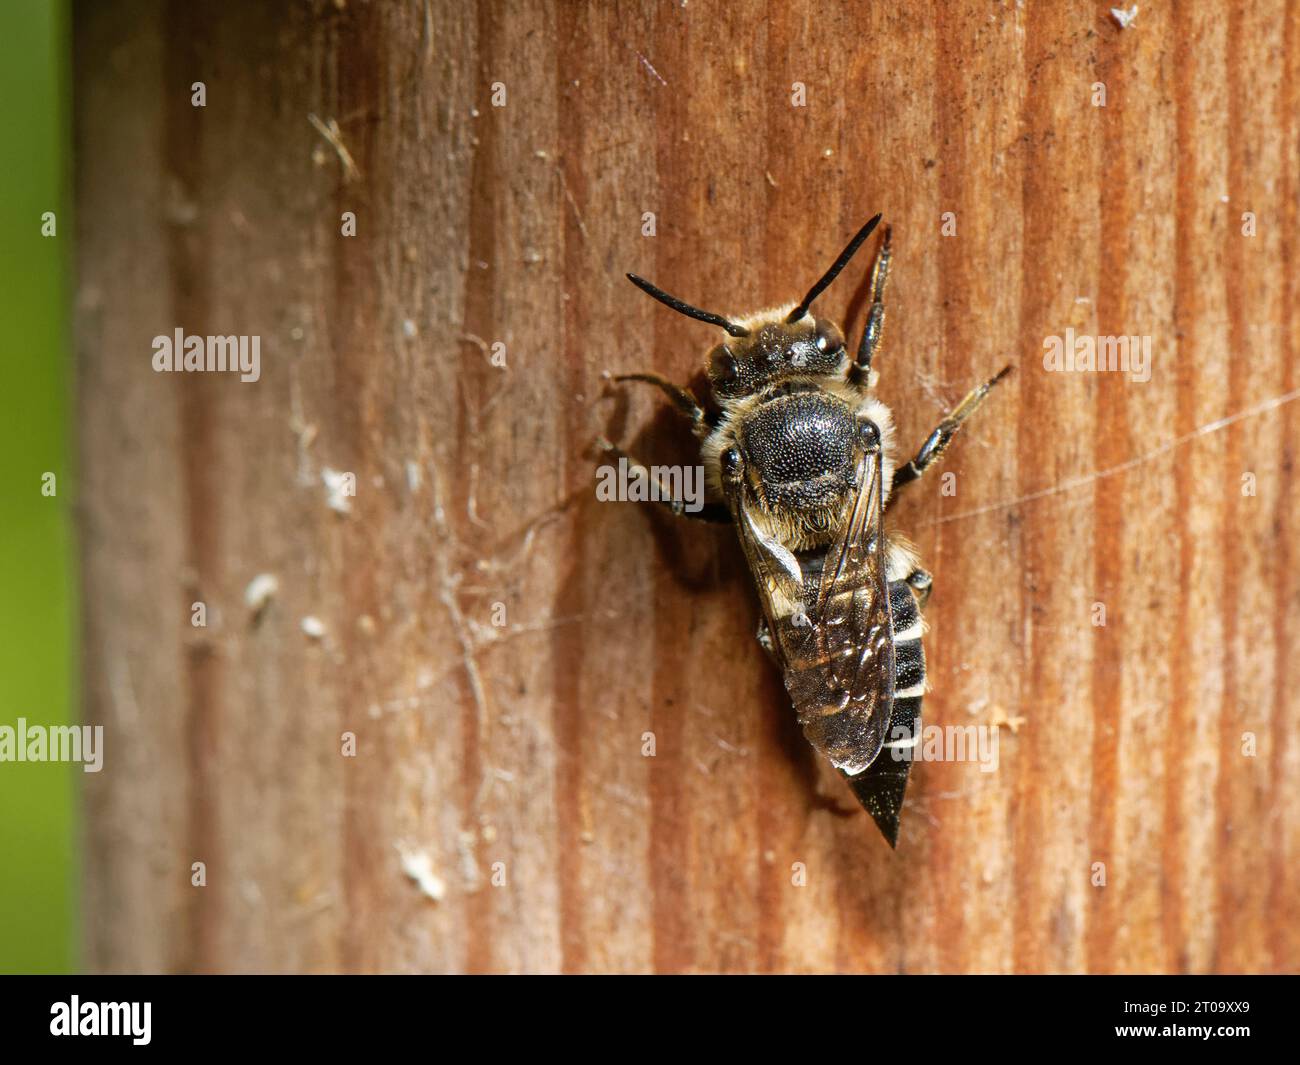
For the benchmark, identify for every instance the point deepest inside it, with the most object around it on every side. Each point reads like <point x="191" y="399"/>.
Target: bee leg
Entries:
<point x="714" y="512"/>
<point x="682" y="399"/>
<point x="942" y="436"/>
<point x="860" y="372"/>
<point x="922" y="584"/>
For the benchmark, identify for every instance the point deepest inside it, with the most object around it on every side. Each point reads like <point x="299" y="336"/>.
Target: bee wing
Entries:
<point x="831" y="625"/>
<point x="776" y="571"/>
<point x="841" y="673"/>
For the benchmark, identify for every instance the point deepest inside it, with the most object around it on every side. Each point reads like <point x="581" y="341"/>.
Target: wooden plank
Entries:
<point x="503" y="646"/>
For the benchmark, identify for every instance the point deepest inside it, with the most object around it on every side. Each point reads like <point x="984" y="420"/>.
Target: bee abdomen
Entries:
<point x="880" y="787"/>
<point x="909" y="655"/>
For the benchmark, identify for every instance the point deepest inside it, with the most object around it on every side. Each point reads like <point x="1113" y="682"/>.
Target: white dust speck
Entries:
<point x="419" y="867"/>
<point x="313" y="626"/>
<point x="260" y="591"/>
<point x="1124" y="19"/>
<point x="336" y="484"/>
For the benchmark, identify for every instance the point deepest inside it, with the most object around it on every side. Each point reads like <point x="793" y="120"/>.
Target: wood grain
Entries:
<point x="513" y="752"/>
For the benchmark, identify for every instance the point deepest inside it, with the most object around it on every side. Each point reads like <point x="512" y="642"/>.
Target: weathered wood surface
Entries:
<point x="522" y="744"/>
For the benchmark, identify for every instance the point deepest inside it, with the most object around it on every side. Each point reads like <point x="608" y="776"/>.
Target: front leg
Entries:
<point x="939" y="440"/>
<point x="682" y="399"/>
<point x="860" y="372"/>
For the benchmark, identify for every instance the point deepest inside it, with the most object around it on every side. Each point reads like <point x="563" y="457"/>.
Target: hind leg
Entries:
<point x="922" y="584"/>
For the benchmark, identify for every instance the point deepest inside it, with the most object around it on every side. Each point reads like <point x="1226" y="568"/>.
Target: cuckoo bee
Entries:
<point x="799" y="455"/>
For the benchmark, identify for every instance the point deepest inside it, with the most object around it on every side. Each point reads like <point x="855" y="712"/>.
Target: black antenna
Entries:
<point x="685" y="308"/>
<point x="830" y="275"/>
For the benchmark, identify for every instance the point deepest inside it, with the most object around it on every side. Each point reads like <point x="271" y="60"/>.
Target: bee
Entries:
<point x="799" y="454"/>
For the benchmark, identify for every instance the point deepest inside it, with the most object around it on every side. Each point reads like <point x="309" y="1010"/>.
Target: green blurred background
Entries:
<point x="37" y="554"/>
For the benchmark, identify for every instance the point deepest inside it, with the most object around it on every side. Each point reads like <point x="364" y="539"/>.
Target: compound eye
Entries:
<point x="731" y="463"/>
<point x="869" y="436"/>
<point x="829" y="339"/>
<point x="723" y="367"/>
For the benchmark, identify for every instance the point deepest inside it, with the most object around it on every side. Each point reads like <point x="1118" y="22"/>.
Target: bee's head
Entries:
<point x="776" y="351"/>
<point x="774" y="346"/>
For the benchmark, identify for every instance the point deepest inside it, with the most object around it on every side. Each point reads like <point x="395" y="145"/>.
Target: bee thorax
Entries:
<point x="800" y="450"/>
